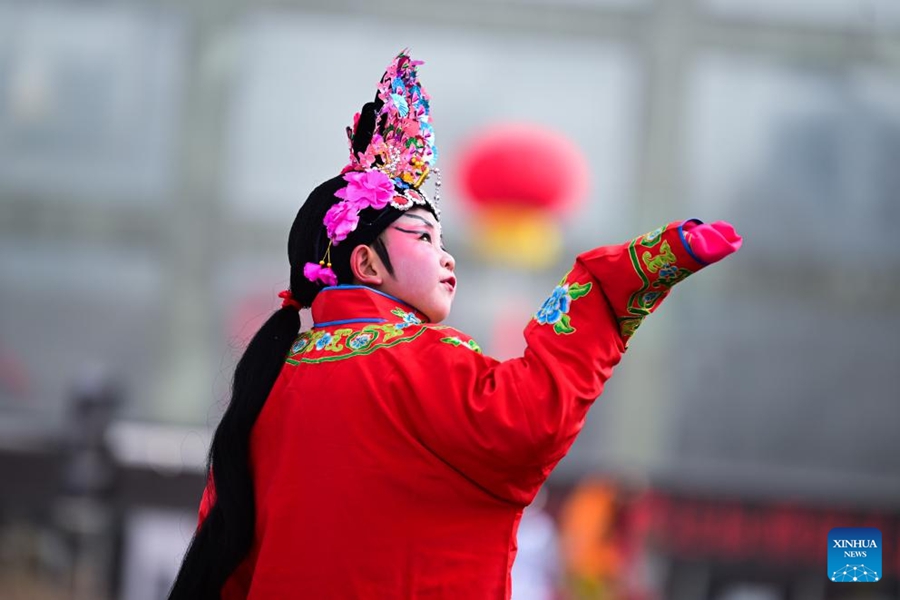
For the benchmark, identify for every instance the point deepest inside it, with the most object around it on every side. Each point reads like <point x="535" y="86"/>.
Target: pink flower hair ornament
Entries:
<point x="367" y="189"/>
<point x="320" y="273"/>
<point x="341" y="220"/>
<point x="394" y="165"/>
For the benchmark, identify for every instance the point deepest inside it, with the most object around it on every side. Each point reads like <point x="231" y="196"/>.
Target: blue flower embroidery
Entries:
<point x="408" y="318"/>
<point x="323" y="341"/>
<point x="555" y="309"/>
<point x="555" y="306"/>
<point x="653" y="235"/>
<point x="649" y="298"/>
<point x="360" y="341"/>
<point x="300" y="345"/>
<point x="668" y="271"/>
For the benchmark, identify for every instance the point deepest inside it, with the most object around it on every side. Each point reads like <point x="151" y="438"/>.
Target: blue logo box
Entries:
<point x="854" y="554"/>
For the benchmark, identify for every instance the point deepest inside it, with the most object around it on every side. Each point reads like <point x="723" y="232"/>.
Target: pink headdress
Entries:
<point x="394" y="165"/>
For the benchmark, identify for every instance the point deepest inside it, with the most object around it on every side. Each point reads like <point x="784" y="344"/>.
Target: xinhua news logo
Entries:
<point x="854" y="554"/>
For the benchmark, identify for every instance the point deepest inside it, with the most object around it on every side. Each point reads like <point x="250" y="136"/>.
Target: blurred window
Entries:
<point x="74" y="313"/>
<point x="88" y="100"/>
<point x="286" y="131"/>
<point x="868" y="14"/>
<point x="802" y="155"/>
<point x="618" y="4"/>
<point x="795" y="366"/>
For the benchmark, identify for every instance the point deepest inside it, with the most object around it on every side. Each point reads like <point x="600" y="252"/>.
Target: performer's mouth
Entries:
<point x="450" y="282"/>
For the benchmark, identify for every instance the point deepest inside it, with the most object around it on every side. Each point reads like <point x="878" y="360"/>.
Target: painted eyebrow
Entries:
<point x="418" y="218"/>
<point x="425" y="221"/>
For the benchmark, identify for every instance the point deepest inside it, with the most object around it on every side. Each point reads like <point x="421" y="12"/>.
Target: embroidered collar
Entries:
<point x="342" y="304"/>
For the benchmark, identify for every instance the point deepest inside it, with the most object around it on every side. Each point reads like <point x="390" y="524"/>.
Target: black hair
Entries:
<point x="225" y="537"/>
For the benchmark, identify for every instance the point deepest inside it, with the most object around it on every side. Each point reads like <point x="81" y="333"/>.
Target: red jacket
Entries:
<point x="393" y="459"/>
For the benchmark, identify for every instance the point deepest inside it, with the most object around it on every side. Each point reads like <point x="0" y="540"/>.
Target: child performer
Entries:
<point x="381" y="455"/>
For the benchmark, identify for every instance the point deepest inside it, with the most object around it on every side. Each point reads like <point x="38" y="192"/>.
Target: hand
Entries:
<point x="711" y="242"/>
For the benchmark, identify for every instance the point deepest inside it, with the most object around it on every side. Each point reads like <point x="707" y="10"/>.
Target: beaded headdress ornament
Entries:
<point x="392" y="168"/>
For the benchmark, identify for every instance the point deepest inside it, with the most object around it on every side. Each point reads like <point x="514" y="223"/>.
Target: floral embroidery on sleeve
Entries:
<point x="555" y="310"/>
<point x="456" y="341"/>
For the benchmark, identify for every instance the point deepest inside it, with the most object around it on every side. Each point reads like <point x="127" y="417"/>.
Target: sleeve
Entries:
<point x="505" y="425"/>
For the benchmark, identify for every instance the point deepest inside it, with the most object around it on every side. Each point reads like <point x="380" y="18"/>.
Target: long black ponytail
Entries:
<point x="225" y="537"/>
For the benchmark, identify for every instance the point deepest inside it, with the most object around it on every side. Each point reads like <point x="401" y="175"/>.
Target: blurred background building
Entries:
<point x="153" y="155"/>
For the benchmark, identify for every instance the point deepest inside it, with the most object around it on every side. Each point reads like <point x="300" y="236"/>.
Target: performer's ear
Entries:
<point x="367" y="266"/>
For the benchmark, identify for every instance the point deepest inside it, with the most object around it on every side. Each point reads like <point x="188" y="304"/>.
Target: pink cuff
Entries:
<point x="711" y="242"/>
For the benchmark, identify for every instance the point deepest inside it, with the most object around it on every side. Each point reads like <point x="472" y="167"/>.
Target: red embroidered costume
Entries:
<point x="393" y="459"/>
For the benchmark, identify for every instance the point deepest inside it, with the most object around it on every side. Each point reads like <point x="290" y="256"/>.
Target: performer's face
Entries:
<point x="423" y="271"/>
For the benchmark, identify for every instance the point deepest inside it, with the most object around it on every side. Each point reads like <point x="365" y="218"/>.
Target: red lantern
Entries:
<point x="520" y="178"/>
<point x="523" y="165"/>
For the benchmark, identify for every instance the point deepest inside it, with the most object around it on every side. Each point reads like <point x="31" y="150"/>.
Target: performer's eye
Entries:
<point x="426" y="237"/>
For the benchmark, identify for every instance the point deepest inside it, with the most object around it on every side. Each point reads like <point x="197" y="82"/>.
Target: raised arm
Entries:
<point x="505" y="425"/>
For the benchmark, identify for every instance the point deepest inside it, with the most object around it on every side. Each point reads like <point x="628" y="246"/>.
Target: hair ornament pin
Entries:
<point x="394" y="165"/>
<point x="288" y="300"/>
